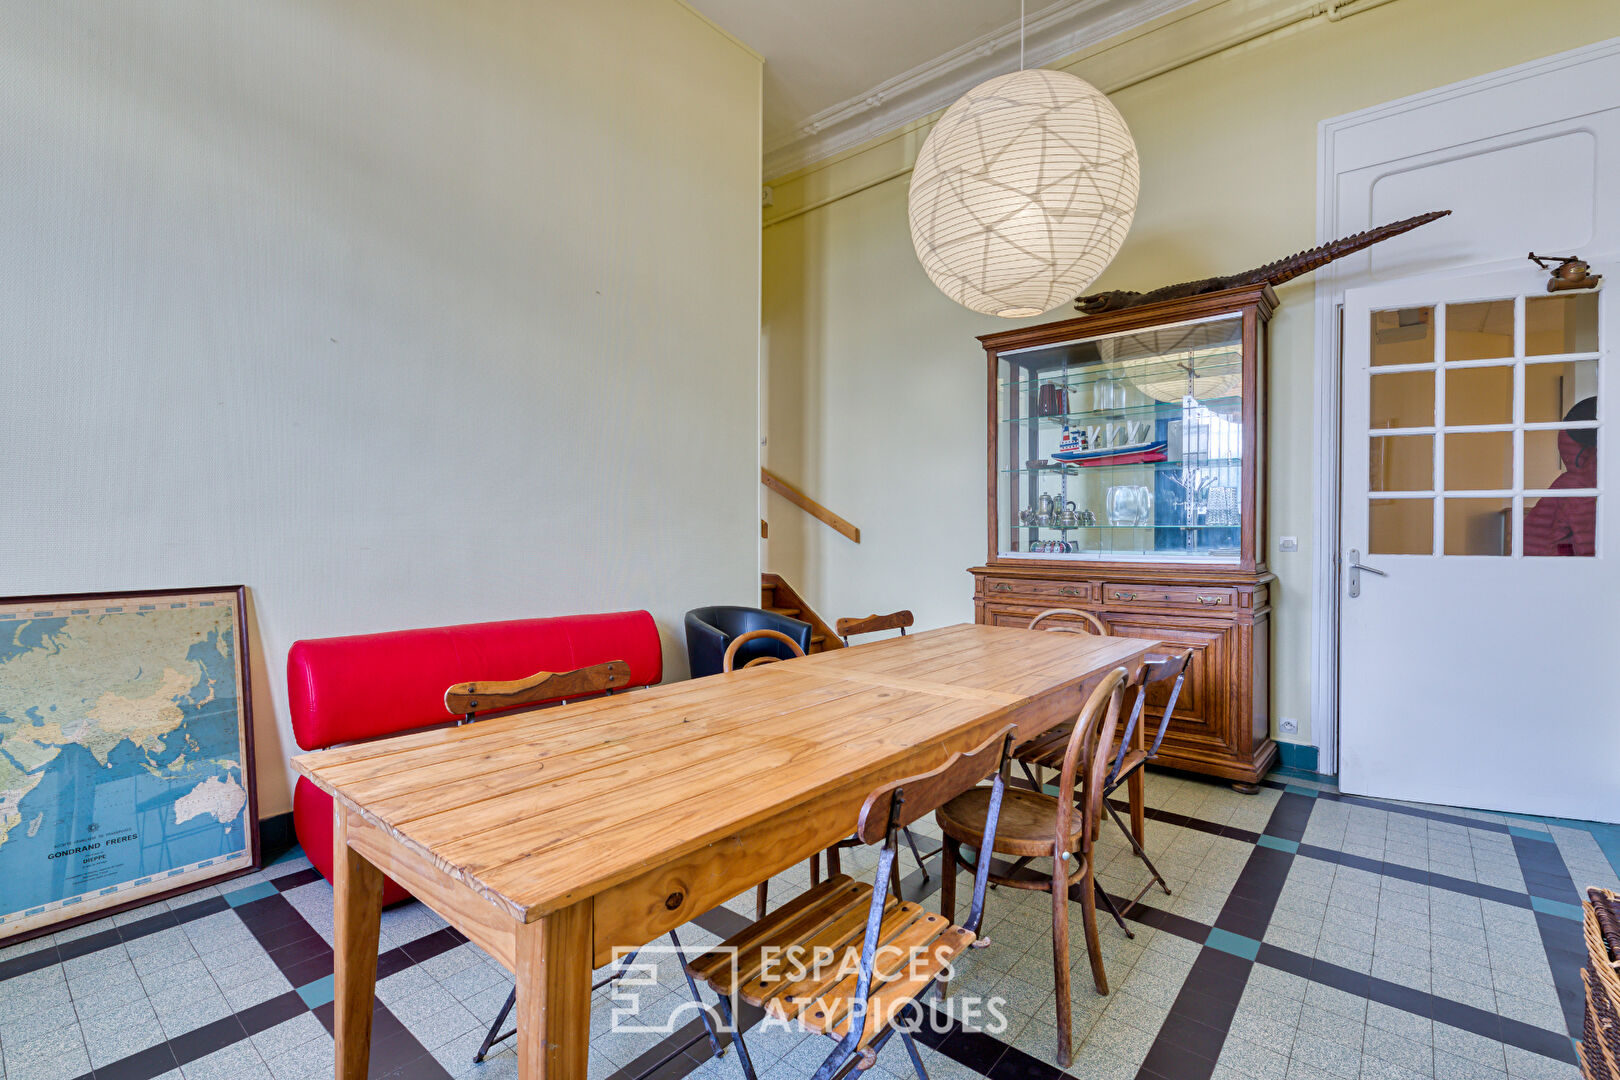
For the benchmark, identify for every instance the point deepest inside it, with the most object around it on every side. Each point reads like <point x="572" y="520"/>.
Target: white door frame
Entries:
<point x="1340" y="151"/>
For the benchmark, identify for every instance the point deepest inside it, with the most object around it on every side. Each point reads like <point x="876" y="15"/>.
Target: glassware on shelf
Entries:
<point x="1223" y="508"/>
<point x="1129" y="504"/>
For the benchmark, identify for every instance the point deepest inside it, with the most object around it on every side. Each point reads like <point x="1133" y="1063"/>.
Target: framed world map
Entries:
<point x="126" y="752"/>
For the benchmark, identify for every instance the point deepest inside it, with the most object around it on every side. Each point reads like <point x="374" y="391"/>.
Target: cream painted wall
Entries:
<point x="401" y="313"/>
<point x="876" y="387"/>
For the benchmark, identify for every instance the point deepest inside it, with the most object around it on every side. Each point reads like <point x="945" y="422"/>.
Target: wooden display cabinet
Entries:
<point x="1126" y="477"/>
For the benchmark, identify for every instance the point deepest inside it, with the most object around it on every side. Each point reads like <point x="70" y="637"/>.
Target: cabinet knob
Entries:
<point x="1001" y="586"/>
<point x="1124" y="596"/>
<point x="1210" y="601"/>
<point x="1069" y="590"/>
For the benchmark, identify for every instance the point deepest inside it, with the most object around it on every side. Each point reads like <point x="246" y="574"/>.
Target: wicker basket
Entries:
<point x="1600" y="1038"/>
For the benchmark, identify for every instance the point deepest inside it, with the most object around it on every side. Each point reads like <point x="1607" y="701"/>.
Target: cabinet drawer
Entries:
<point x="1057" y="593"/>
<point x="1189" y="596"/>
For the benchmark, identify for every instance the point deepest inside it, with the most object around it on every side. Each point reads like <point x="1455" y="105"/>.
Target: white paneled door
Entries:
<point x="1480" y="572"/>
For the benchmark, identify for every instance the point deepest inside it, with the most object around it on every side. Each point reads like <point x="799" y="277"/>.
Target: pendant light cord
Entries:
<point x="1020" y="35"/>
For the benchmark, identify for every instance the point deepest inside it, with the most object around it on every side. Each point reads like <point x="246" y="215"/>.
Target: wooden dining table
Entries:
<point x="553" y="836"/>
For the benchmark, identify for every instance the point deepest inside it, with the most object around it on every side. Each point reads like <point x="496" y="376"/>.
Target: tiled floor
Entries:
<point x="1310" y="936"/>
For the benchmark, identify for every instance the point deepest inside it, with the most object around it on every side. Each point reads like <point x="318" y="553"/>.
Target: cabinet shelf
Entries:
<point x="1083" y="528"/>
<point x="1169" y="410"/>
<point x="1222" y="360"/>
<point x="1157" y="466"/>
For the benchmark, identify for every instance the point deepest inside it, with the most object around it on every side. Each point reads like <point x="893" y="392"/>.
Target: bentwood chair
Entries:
<point x="1050" y="744"/>
<point x="1035" y="825"/>
<point x="728" y="662"/>
<point x="846" y="959"/>
<point x="470" y="699"/>
<point x="1156" y="673"/>
<point x="1087" y="622"/>
<point x="711" y="630"/>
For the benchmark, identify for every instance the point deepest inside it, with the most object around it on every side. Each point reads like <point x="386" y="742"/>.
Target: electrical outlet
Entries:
<point x="1288" y="543"/>
<point x="1288" y="726"/>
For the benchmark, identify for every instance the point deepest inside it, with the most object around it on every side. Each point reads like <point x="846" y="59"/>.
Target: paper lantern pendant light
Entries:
<point x="1023" y="193"/>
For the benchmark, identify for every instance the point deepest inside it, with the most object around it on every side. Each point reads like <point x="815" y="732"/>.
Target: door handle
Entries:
<point x="1356" y="569"/>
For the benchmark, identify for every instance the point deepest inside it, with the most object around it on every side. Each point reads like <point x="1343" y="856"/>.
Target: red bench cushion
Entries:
<point x="348" y="688"/>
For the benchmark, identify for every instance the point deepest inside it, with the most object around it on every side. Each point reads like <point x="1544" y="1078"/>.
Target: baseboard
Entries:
<point x="1292" y="755"/>
<point x="275" y="837"/>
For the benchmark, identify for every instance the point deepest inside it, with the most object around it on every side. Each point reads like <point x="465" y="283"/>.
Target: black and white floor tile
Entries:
<point x="1309" y="935"/>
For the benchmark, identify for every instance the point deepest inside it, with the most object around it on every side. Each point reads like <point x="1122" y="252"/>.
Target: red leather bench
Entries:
<point x="347" y="689"/>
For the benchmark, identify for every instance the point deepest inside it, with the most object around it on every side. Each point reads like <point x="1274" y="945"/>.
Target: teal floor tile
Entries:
<point x="252" y="892"/>
<point x="1556" y="907"/>
<point x="1236" y="944"/>
<point x="317" y="993"/>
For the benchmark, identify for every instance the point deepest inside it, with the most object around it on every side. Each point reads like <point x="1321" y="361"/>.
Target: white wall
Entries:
<point x="401" y="313"/>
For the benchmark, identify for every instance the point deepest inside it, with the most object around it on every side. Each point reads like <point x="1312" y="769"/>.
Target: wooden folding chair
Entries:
<point x="468" y="700"/>
<point x="846" y="959"/>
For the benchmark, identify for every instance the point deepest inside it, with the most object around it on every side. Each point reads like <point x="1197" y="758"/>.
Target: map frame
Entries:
<point x="124" y="895"/>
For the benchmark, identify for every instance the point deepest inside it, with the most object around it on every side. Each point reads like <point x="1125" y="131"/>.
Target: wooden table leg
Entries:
<point x="1137" y="785"/>
<point x="554" y="994"/>
<point x="357" y="888"/>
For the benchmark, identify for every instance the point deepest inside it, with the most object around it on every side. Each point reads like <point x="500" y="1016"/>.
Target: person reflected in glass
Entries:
<point x="1559" y="526"/>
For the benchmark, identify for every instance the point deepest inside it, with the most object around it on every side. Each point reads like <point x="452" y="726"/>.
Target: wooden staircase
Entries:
<point x="778" y="596"/>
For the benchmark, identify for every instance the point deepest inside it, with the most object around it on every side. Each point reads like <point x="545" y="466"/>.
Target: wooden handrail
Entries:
<point x="807" y="504"/>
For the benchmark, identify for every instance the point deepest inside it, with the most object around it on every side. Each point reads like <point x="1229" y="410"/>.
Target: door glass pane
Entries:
<point x="1479" y="395"/>
<point x="1560" y="526"/>
<point x="1552" y="389"/>
<point x="1401" y="463"/>
<point x="1400" y="527"/>
<point x="1479" y="331"/>
<point x="1479" y="527"/>
<point x="1565" y="457"/>
<point x="1479" y="461"/>
<point x="1405" y="336"/>
<point x="1403" y="399"/>
<point x="1560" y="324"/>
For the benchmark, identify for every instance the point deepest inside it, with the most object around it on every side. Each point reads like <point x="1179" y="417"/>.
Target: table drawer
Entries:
<point x="1116" y="594"/>
<point x="1051" y="593"/>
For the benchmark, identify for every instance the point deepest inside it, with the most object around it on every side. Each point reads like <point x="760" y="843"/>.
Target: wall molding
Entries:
<point x="1330" y="284"/>
<point x="1051" y="34"/>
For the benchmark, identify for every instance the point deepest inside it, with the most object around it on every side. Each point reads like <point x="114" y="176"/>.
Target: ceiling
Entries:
<point x="838" y="72"/>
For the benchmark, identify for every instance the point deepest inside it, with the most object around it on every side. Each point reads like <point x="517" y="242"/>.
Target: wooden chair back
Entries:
<point x="898" y="803"/>
<point x="871" y="624"/>
<point x="1086" y="760"/>
<point x="468" y="698"/>
<point x="901" y="802"/>
<point x="754" y="635"/>
<point x="1155" y="671"/>
<point x="1089" y="623"/>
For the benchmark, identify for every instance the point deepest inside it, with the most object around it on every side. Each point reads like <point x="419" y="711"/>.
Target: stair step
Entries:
<point x="790" y="612"/>
<point x="817" y="639"/>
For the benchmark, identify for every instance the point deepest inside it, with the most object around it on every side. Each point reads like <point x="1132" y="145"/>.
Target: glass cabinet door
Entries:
<point x="1127" y="446"/>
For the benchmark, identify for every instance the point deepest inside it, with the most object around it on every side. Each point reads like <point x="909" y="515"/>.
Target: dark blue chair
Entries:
<point x="709" y="630"/>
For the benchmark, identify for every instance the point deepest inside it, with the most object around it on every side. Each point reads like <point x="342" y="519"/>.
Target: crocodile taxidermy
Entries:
<point x="1270" y="274"/>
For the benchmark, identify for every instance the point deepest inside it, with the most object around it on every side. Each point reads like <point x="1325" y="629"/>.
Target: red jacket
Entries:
<point x="1566" y="526"/>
